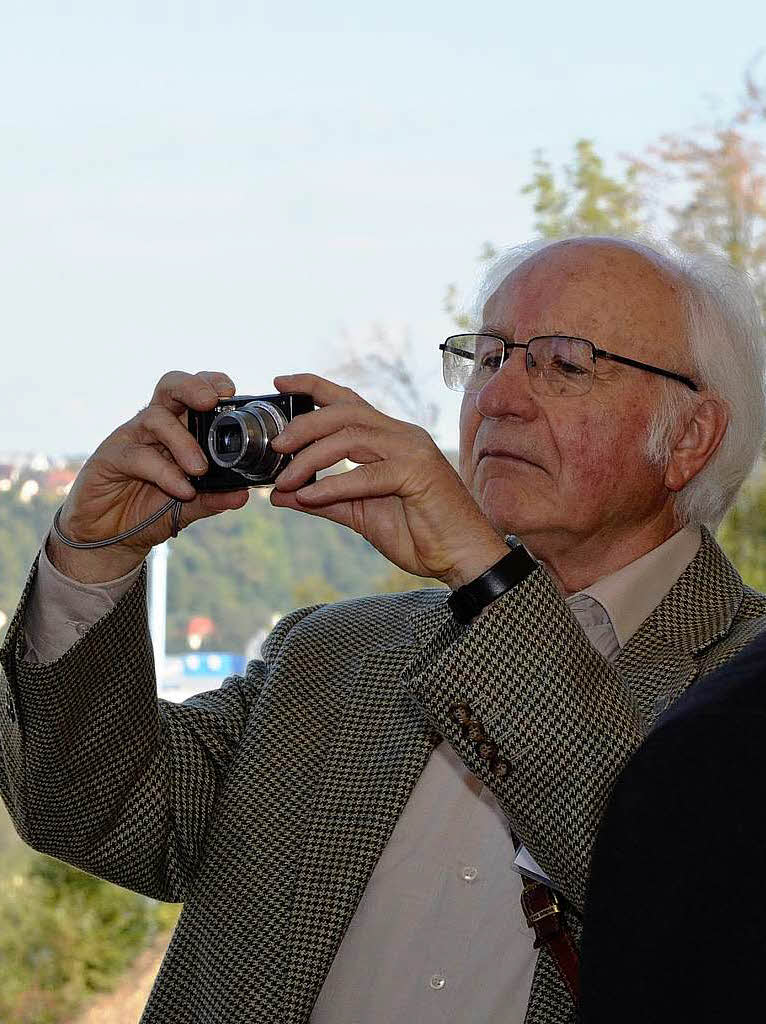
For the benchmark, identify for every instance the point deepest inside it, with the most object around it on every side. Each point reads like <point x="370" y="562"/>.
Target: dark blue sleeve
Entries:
<point x="674" y="928"/>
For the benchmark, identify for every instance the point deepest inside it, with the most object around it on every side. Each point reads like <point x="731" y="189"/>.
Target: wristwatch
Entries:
<point x="467" y="601"/>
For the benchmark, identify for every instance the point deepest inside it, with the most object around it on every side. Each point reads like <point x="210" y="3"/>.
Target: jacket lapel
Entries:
<point x="380" y="748"/>
<point x="663" y="657"/>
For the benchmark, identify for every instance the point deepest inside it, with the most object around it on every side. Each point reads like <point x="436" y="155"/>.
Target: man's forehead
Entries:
<point x="606" y="288"/>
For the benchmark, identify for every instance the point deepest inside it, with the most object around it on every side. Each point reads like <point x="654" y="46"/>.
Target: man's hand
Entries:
<point x="133" y="473"/>
<point x="404" y="497"/>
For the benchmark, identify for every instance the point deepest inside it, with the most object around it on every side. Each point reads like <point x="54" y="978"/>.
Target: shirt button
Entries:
<point x="437" y="981"/>
<point x="470" y="873"/>
<point x="82" y="628"/>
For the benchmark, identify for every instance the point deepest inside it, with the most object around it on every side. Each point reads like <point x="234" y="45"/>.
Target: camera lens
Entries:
<point x="228" y="440"/>
<point x="240" y="439"/>
<point x="225" y="439"/>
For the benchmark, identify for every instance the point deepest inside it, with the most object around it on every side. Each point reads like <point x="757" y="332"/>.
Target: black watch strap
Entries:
<point x="467" y="601"/>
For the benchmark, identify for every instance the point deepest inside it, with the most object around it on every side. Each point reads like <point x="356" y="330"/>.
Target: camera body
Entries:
<point x="236" y="438"/>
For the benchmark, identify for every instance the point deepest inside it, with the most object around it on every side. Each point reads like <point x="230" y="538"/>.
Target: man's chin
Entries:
<point x="508" y="508"/>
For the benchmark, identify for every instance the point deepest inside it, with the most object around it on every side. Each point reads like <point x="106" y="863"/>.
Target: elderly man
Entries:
<point x="338" y="822"/>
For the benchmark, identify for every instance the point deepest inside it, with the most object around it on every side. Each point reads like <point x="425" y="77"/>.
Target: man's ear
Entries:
<point x="697" y="445"/>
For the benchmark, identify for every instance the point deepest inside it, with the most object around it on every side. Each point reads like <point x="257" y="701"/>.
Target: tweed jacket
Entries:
<point x="263" y="806"/>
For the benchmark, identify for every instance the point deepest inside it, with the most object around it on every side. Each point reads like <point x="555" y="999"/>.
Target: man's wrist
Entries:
<point x="90" y="566"/>
<point x="475" y="563"/>
<point x="469" y="600"/>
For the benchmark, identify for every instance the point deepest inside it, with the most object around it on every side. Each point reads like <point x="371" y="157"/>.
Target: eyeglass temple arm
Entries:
<point x="646" y="366"/>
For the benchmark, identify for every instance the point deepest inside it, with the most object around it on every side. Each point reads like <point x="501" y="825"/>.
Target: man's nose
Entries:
<point x="508" y="391"/>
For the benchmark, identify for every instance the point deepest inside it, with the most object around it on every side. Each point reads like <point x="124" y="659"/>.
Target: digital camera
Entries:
<point x="236" y="438"/>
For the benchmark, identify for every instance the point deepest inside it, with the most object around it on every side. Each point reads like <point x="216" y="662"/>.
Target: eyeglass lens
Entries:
<point x="555" y="365"/>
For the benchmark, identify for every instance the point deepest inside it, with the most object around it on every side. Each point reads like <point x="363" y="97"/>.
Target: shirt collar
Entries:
<point x="631" y="594"/>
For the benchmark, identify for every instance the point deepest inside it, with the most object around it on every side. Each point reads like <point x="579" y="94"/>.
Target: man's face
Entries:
<point x="561" y="470"/>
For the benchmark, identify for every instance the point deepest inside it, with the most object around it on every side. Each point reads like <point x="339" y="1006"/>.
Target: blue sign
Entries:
<point x="205" y="663"/>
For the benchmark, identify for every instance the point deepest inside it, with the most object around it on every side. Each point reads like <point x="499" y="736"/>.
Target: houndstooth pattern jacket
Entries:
<point x="264" y="805"/>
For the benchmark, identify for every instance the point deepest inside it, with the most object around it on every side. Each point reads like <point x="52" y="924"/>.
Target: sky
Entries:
<point x="260" y="188"/>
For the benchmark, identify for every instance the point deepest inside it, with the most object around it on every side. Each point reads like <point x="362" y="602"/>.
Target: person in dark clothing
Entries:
<point x="674" y="927"/>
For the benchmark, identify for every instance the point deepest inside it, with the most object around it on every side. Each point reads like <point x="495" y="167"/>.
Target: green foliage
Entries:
<point x="722" y="178"/>
<point x="587" y="202"/>
<point x="398" y="581"/>
<point x="590" y="202"/>
<point x="314" y="590"/>
<point x="65" y="935"/>
<point x="462" y="320"/>
<point x="242" y="567"/>
<point x="238" y="569"/>
<point x="22" y="527"/>
<point x="742" y="534"/>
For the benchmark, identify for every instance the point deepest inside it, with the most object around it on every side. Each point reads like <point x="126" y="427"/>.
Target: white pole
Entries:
<point x="158" y="590"/>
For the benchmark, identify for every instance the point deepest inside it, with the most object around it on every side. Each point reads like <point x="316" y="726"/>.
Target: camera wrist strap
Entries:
<point x="174" y="503"/>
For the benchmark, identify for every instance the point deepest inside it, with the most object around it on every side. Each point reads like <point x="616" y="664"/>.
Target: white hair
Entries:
<point x="725" y="334"/>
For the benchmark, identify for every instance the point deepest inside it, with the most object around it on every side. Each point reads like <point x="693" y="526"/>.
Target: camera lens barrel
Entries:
<point x="240" y="439"/>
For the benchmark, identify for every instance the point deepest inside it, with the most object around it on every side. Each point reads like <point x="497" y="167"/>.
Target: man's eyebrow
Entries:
<point x="491" y="329"/>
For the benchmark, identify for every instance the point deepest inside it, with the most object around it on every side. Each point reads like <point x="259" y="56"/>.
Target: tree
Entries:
<point x="397" y="581"/>
<point x="384" y="371"/>
<point x="719" y="175"/>
<point x="743" y="532"/>
<point x="587" y="202"/>
<point x="590" y="202"/>
<point x="314" y="589"/>
<point x="487" y="254"/>
<point x="708" y="188"/>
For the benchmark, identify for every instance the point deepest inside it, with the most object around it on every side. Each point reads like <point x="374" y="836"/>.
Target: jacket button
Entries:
<point x="475" y="732"/>
<point x="501" y="769"/>
<point x="460" y="713"/>
<point x="487" y="750"/>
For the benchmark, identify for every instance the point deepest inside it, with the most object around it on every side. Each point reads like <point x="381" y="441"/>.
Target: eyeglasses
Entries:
<point x="556" y="365"/>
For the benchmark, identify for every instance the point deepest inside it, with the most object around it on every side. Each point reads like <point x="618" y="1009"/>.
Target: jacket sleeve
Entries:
<point x="60" y="610"/>
<point x="562" y="721"/>
<point x="96" y="771"/>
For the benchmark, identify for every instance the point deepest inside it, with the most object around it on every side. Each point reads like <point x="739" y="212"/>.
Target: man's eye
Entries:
<point x="568" y="369"/>
<point x="489" y="362"/>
